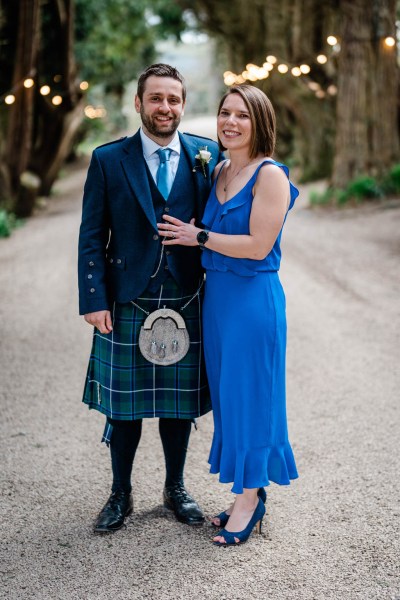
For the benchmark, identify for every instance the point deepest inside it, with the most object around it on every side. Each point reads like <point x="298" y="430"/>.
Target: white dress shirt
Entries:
<point x="153" y="160"/>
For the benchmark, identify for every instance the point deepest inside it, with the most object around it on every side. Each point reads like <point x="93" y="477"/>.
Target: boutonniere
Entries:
<point x="203" y="157"/>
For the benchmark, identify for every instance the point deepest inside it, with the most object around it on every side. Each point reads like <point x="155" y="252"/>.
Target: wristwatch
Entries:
<point x="202" y="237"/>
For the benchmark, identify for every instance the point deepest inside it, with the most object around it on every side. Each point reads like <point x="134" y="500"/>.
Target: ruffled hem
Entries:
<point x="253" y="468"/>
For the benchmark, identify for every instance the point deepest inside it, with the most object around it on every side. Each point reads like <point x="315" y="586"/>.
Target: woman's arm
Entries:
<point x="270" y="204"/>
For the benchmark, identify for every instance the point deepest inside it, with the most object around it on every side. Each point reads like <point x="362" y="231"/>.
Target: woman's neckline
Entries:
<point x="266" y="159"/>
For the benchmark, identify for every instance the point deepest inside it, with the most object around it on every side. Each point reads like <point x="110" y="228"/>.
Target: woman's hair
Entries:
<point x="159" y="70"/>
<point x="262" y="117"/>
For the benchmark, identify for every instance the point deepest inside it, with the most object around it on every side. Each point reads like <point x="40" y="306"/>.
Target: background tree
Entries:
<point x="58" y="43"/>
<point x="367" y="134"/>
<point x="364" y="72"/>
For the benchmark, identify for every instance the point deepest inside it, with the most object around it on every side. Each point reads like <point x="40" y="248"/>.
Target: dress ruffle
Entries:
<point x="253" y="467"/>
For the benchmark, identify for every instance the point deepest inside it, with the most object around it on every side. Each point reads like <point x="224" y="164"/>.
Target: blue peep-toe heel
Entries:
<point x="224" y="517"/>
<point x="243" y="536"/>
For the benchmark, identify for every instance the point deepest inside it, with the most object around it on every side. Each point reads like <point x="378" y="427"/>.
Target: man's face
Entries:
<point x="161" y="108"/>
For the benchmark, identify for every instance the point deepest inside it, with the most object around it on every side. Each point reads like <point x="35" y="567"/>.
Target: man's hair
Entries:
<point x="159" y="70"/>
<point x="262" y="117"/>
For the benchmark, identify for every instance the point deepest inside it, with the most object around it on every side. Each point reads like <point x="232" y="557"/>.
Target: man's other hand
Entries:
<point x="100" y="319"/>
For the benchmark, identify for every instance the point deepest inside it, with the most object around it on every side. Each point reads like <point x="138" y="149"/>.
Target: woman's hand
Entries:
<point x="177" y="232"/>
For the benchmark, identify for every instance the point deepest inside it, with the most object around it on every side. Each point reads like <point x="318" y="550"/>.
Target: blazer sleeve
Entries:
<point x="93" y="239"/>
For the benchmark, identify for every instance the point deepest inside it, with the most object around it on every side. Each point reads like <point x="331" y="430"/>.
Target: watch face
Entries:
<point x="202" y="237"/>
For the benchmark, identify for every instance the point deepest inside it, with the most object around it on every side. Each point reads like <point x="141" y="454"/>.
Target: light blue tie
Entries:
<point x="164" y="173"/>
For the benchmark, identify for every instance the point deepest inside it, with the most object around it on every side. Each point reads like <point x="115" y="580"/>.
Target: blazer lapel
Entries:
<point x="134" y="166"/>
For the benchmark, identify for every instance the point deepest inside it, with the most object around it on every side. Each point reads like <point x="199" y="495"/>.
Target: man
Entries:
<point x="125" y="274"/>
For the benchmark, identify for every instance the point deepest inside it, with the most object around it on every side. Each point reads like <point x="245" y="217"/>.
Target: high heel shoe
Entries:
<point x="224" y="517"/>
<point x="243" y="536"/>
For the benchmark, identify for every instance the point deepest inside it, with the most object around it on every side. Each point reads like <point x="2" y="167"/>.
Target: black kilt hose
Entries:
<point x="123" y="385"/>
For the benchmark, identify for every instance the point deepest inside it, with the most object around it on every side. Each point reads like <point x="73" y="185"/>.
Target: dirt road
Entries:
<point x="333" y="534"/>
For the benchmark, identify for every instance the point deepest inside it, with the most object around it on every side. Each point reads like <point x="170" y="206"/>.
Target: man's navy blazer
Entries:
<point x="118" y="241"/>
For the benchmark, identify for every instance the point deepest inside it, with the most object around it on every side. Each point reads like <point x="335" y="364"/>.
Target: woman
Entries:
<point x="244" y="309"/>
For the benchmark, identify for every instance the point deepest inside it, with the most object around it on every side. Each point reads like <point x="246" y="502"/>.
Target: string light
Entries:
<point x="268" y="66"/>
<point x="332" y="40"/>
<point x="271" y="59"/>
<point x="28" y="82"/>
<point x="282" y="68"/>
<point x="305" y="69"/>
<point x="322" y="59"/>
<point x="296" y="71"/>
<point x="95" y="113"/>
<point x="389" y="41"/>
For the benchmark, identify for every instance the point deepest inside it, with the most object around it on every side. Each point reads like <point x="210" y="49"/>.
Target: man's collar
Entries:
<point x="150" y="146"/>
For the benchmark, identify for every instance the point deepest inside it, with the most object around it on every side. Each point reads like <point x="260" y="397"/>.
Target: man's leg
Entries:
<point x="124" y="441"/>
<point x="175" y="435"/>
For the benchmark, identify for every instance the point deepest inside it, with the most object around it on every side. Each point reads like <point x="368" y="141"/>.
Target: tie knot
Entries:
<point x="164" y="154"/>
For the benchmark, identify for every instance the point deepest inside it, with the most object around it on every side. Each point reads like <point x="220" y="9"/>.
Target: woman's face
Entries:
<point x="234" y="124"/>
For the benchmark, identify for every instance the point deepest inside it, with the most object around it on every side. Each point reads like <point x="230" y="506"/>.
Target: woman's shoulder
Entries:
<point x="270" y="170"/>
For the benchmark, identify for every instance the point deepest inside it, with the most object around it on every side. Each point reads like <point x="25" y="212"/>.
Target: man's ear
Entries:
<point x="137" y="103"/>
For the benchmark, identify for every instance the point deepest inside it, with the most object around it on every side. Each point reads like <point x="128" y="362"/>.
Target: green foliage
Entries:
<point x="8" y="222"/>
<point x="115" y="39"/>
<point x="361" y="189"/>
<point x="391" y="183"/>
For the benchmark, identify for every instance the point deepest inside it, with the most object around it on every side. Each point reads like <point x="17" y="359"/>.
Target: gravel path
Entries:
<point x="333" y="534"/>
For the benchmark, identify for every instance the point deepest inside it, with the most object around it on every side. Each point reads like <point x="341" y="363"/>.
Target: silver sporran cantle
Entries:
<point x="164" y="339"/>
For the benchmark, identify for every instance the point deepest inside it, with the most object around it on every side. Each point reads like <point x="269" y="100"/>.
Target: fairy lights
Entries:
<point x="28" y="83"/>
<point x="56" y="100"/>
<point x="389" y="41"/>
<point x="301" y="71"/>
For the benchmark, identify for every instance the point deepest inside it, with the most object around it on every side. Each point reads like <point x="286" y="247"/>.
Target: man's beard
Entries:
<point x="152" y="126"/>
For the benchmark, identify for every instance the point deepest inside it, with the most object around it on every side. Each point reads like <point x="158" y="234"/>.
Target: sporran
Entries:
<point x="164" y="339"/>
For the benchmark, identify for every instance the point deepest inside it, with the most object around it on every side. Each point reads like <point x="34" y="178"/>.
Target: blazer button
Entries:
<point x="155" y="237"/>
<point x="92" y="290"/>
<point x="91" y="264"/>
<point x="90" y="276"/>
<point x="119" y="261"/>
<point x="166" y="267"/>
<point x="168" y="252"/>
<point x="111" y="260"/>
<point x="166" y="209"/>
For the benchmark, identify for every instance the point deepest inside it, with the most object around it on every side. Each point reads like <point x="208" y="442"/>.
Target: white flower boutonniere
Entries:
<point x="204" y="157"/>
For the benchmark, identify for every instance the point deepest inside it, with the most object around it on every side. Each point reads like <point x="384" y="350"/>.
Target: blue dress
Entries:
<point x="244" y="325"/>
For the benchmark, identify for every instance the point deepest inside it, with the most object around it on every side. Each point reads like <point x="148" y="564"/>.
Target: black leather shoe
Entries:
<point x="186" y="509"/>
<point x="113" y="514"/>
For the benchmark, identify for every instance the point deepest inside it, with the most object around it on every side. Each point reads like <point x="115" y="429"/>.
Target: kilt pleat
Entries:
<point x="122" y="384"/>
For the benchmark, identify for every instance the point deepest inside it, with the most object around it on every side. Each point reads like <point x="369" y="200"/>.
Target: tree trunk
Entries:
<point x="19" y="135"/>
<point x="57" y="126"/>
<point x="367" y="136"/>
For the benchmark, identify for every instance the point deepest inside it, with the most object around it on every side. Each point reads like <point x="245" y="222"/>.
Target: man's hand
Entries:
<point x="100" y="319"/>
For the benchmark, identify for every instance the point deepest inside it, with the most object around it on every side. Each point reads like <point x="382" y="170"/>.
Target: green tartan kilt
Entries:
<point x="122" y="384"/>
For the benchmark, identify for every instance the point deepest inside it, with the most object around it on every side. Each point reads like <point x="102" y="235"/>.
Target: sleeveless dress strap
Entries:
<point x="294" y="192"/>
<point x="221" y="169"/>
